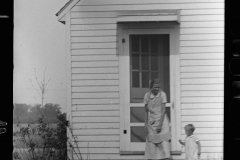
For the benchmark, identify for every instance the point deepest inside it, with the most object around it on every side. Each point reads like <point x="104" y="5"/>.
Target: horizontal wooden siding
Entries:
<point x="95" y="72"/>
<point x="201" y="67"/>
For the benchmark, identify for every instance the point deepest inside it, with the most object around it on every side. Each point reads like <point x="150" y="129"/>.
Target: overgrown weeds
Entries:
<point x="45" y="141"/>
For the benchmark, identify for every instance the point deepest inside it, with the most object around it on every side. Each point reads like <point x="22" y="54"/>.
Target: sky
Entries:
<point x="39" y="43"/>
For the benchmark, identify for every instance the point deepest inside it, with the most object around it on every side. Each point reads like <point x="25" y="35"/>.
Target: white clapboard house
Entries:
<point x="114" y="47"/>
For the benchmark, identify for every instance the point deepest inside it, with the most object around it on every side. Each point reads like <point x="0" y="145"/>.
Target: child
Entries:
<point x="191" y="143"/>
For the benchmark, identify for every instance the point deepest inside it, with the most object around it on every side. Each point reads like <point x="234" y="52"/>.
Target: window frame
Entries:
<point x="140" y="89"/>
<point x="125" y="29"/>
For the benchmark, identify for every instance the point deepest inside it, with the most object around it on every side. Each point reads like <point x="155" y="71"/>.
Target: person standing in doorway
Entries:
<point x="156" y="123"/>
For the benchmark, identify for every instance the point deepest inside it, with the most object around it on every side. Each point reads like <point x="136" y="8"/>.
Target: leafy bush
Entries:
<point x="43" y="141"/>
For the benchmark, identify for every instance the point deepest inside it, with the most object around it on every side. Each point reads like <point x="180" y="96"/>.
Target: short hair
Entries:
<point x="190" y="127"/>
<point x="154" y="81"/>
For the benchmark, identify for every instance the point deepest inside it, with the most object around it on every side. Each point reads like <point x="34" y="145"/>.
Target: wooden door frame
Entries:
<point x="124" y="72"/>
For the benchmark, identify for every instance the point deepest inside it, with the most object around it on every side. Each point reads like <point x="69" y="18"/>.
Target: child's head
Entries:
<point x="189" y="129"/>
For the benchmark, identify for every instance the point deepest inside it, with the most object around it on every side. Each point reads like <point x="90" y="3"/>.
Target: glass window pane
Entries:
<point x="138" y="134"/>
<point x="137" y="94"/>
<point x="166" y="88"/>
<point x="164" y="45"/>
<point x="154" y="62"/>
<point x="135" y="61"/>
<point x="164" y="74"/>
<point x="154" y="75"/>
<point x="168" y="113"/>
<point x="145" y="61"/>
<point x="149" y="65"/>
<point x="137" y="114"/>
<point x="145" y="44"/>
<point x="135" y="79"/>
<point x="145" y="79"/>
<point x="154" y="44"/>
<point x="135" y="43"/>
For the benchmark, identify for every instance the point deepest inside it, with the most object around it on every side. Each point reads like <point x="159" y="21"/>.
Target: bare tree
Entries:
<point x="41" y="88"/>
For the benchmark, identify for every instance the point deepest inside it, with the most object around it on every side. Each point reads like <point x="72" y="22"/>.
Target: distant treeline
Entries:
<point x="28" y="114"/>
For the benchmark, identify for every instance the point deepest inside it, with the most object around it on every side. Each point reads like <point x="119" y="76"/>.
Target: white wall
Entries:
<point x="95" y="68"/>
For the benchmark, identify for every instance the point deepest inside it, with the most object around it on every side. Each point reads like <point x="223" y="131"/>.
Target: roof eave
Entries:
<point x="66" y="8"/>
<point x="62" y="19"/>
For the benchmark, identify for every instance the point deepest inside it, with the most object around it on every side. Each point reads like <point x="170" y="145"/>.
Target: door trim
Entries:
<point x="124" y="72"/>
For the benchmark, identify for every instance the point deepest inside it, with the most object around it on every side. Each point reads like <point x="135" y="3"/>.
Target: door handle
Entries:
<point x="172" y="105"/>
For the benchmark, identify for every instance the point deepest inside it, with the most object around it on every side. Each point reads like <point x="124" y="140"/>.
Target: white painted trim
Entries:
<point x="149" y="15"/>
<point x="172" y="89"/>
<point x="121" y="91"/>
<point x="68" y="69"/>
<point x="147" y="18"/>
<point x="62" y="16"/>
<point x="140" y="105"/>
<point x="175" y="92"/>
<point x="68" y="55"/>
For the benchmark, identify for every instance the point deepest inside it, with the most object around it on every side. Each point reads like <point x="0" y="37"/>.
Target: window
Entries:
<point x="149" y="59"/>
<point x="146" y="54"/>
